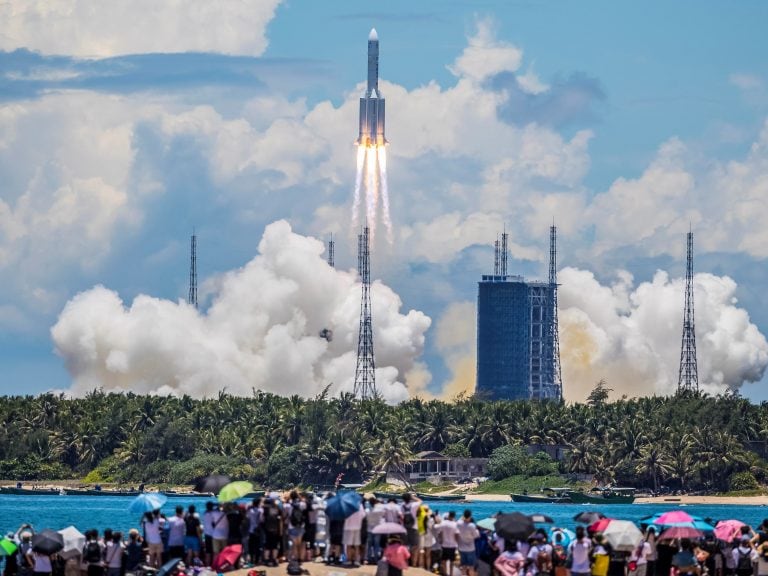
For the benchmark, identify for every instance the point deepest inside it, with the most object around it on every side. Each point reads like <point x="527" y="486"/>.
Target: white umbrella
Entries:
<point x="623" y="535"/>
<point x="74" y="541"/>
<point x="389" y="528"/>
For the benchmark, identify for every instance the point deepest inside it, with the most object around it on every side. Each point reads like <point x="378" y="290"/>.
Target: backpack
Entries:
<point x="543" y="561"/>
<point x="745" y="561"/>
<point x="408" y="520"/>
<point x="297" y="515"/>
<point x="272" y="520"/>
<point x="92" y="552"/>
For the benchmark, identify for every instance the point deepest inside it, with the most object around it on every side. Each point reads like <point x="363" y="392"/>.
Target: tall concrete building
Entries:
<point x="517" y="341"/>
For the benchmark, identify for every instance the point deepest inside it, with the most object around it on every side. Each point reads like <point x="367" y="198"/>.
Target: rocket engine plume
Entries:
<point x="371" y="153"/>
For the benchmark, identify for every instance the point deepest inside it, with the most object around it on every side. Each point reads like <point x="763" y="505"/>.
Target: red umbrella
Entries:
<point x="727" y="530"/>
<point x="227" y="559"/>
<point x="679" y="532"/>
<point x="673" y="517"/>
<point x="599" y="526"/>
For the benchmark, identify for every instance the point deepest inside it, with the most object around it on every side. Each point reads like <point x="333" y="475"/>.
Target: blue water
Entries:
<point x="101" y="512"/>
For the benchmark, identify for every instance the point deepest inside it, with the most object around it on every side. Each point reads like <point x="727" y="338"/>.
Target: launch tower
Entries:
<point x="688" y="377"/>
<point x="192" y="296"/>
<point x="365" y="372"/>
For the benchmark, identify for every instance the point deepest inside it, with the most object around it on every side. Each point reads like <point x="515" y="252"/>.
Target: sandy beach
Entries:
<point x="670" y="500"/>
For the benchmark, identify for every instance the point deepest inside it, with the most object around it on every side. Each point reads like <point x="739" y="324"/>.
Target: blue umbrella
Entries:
<point x="147" y="502"/>
<point x="566" y="536"/>
<point x="343" y="505"/>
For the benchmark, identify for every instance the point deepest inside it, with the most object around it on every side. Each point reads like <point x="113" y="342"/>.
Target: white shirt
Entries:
<point x="468" y="532"/>
<point x="220" y="525"/>
<point x="535" y="551"/>
<point x="391" y="512"/>
<point x="114" y="554"/>
<point x="448" y="530"/>
<point x="579" y="551"/>
<point x="375" y="515"/>
<point x="355" y="521"/>
<point x="176" y="529"/>
<point x="640" y="555"/>
<point x="254" y="518"/>
<point x="152" y="531"/>
<point x="208" y="518"/>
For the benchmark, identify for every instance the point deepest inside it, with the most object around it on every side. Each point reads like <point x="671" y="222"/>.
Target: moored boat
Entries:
<point x="443" y="497"/>
<point x="548" y="496"/>
<point x="30" y="491"/>
<point x="604" y="496"/>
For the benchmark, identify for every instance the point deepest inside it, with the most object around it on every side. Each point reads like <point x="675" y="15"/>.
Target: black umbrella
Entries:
<point x="168" y="567"/>
<point x="213" y="483"/>
<point x="541" y="518"/>
<point x="47" y="542"/>
<point x="514" y="526"/>
<point x="588" y="517"/>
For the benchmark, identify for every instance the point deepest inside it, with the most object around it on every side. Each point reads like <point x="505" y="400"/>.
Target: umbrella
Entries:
<point x="487" y="523"/>
<point x="600" y="525"/>
<point x="234" y="490"/>
<point x="588" y="517"/>
<point x="541" y="519"/>
<point x="623" y="535"/>
<point x="389" y="528"/>
<point x="673" y="517"/>
<point x="514" y="526"/>
<point x="678" y="532"/>
<point x="147" y="502"/>
<point x="343" y="505"/>
<point x="212" y="484"/>
<point x="47" y="541"/>
<point x="565" y="535"/>
<point x="728" y="529"/>
<point x="168" y="567"/>
<point x="7" y="547"/>
<point x="74" y="542"/>
<point x="226" y="558"/>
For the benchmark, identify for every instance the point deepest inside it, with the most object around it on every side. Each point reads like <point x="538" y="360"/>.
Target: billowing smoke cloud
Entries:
<point x="260" y="332"/>
<point x="630" y="335"/>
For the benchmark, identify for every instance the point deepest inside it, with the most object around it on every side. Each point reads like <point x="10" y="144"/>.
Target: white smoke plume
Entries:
<point x="260" y="332"/>
<point x="630" y="335"/>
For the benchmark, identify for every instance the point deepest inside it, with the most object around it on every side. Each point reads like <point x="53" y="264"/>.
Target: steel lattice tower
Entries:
<point x="331" y="252"/>
<point x="192" y="296"/>
<point x="557" y="377"/>
<point x="365" y="372"/>
<point x="688" y="377"/>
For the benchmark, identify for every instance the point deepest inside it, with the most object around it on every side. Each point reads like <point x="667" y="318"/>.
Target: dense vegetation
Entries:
<point x="689" y="441"/>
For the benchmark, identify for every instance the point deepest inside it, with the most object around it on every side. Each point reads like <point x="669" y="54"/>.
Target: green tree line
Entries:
<point x="689" y="441"/>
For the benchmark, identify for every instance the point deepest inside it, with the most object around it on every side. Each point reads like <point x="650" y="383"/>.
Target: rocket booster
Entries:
<point x="372" y="102"/>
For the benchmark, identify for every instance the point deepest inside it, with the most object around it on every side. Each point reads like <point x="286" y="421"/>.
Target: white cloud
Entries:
<point x="485" y="56"/>
<point x="99" y="29"/>
<point x="631" y="334"/>
<point x="261" y="331"/>
<point x="746" y="81"/>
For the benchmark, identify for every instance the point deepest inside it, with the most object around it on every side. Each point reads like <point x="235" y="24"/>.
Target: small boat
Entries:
<point x="29" y="491"/>
<point x="172" y="494"/>
<point x="548" y="496"/>
<point x="99" y="492"/>
<point x="613" y="495"/>
<point x="442" y="498"/>
<point x="387" y="495"/>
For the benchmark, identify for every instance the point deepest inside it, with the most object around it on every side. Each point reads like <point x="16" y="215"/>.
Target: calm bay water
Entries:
<point x="101" y="512"/>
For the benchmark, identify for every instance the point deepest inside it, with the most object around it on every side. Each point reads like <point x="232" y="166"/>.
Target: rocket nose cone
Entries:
<point x="373" y="35"/>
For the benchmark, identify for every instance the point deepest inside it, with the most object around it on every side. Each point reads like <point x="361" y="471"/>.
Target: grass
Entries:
<point x="520" y="483"/>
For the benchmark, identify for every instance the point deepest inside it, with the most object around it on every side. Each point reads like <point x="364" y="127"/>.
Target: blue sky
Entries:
<point x="624" y="122"/>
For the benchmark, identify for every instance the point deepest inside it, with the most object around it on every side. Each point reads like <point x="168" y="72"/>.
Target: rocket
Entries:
<point x="372" y="102"/>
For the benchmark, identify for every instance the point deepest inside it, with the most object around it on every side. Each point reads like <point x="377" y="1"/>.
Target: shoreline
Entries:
<point x="657" y="500"/>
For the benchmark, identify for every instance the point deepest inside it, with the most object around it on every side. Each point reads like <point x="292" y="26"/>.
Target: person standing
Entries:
<point x="254" y="515"/>
<point x="684" y="563"/>
<point x="579" y="552"/>
<point x="448" y="531"/>
<point x="42" y="564"/>
<point x="397" y="556"/>
<point x="540" y="556"/>
<point x="511" y="561"/>
<point x="352" y="537"/>
<point x="744" y="557"/>
<point x="467" y="534"/>
<point x="273" y="528"/>
<point x="93" y="553"/>
<point x="113" y="554"/>
<point x="152" y="535"/>
<point x="296" y="514"/>
<point x="220" y="535"/>
<point x="408" y="513"/>
<point x="374" y="516"/>
<point x="134" y="551"/>
<point x="176" y="528"/>
<point x="639" y="557"/>
<point x="192" y="533"/>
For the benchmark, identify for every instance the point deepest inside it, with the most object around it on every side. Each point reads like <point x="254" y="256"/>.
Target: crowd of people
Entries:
<point x="295" y="529"/>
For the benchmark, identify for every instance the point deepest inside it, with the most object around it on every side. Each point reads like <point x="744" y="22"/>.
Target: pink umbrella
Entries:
<point x="673" y="517"/>
<point x="727" y="530"/>
<point x="389" y="528"/>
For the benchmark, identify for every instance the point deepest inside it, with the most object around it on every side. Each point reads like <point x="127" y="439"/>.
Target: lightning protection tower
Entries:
<point x="192" y="297"/>
<point x="688" y="377"/>
<point x="365" y="372"/>
<point x="554" y="331"/>
<point x="331" y="252"/>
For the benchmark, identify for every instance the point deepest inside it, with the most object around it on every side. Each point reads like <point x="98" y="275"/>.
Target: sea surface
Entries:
<point x="85" y="512"/>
